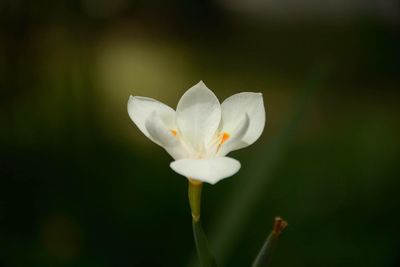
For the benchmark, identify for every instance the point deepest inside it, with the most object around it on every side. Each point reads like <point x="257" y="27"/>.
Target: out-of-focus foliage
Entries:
<point x="80" y="185"/>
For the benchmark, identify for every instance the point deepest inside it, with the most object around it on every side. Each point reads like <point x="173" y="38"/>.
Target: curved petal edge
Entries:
<point x="141" y="108"/>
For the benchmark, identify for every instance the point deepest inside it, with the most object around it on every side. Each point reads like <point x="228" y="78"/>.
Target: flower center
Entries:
<point x="207" y="151"/>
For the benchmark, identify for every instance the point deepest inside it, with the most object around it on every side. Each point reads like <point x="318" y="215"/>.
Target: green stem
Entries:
<point x="264" y="256"/>
<point x="195" y="198"/>
<point x="203" y="249"/>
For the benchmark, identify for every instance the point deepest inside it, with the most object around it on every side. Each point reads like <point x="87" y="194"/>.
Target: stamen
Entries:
<point x="173" y="132"/>
<point x="225" y="137"/>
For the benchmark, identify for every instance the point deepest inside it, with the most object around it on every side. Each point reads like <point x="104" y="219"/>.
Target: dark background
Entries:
<point x="81" y="186"/>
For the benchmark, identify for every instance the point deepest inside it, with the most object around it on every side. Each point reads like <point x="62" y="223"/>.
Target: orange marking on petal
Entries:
<point x="173" y="132"/>
<point x="225" y="137"/>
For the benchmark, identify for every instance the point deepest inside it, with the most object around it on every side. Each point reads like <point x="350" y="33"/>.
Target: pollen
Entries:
<point x="173" y="132"/>
<point x="225" y="137"/>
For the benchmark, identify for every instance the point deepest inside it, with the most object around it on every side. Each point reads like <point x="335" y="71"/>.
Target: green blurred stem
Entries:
<point x="203" y="249"/>
<point x="195" y="198"/>
<point x="263" y="258"/>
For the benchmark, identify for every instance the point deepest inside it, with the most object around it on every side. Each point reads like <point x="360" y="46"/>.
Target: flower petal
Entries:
<point x="140" y="108"/>
<point x="209" y="170"/>
<point x="198" y="115"/>
<point x="235" y="107"/>
<point x="235" y="140"/>
<point x="162" y="136"/>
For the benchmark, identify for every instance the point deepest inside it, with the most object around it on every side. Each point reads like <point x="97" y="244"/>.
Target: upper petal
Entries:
<point x="209" y="170"/>
<point x="163" y="136"/>
<point x="235" y="107"/>
<point x="140" y="108"/>
<point x="198" y="115"/>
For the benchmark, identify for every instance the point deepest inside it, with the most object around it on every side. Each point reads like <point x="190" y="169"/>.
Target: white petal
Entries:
<point x="235" y="140"/>
<point x="140" y="108"/>
<point x="198" y="116"/>
<point x="209" y="170"/>
<point x="235" y="107"/>
<point x="163" y="136"/>
<point x="159" y="132"/>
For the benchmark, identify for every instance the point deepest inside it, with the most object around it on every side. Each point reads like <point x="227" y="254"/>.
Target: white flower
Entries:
<point x="201" y="132"/>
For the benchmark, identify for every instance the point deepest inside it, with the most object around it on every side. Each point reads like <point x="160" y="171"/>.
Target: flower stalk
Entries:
<point x="206" y="258"/>
<point x="195" y="188"/>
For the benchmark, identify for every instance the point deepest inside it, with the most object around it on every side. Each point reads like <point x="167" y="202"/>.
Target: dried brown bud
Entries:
<point x="279" y="225"/>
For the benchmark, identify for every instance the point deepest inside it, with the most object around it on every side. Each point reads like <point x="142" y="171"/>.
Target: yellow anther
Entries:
<point x="225" y="137"/>
<point x="173" y="132"/>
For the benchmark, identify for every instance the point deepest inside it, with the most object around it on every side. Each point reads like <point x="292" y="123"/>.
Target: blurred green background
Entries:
<point x="81" y="186"/>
